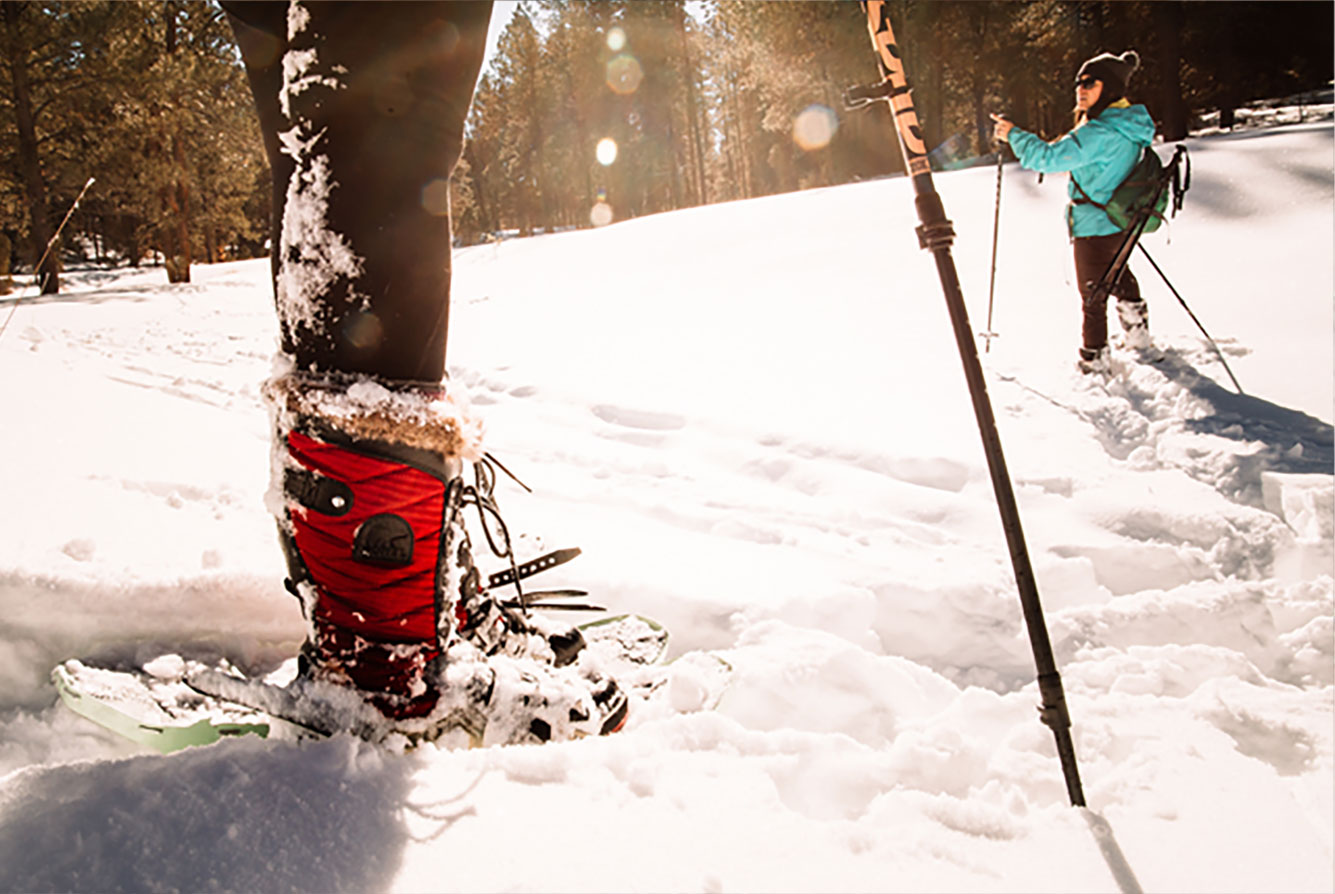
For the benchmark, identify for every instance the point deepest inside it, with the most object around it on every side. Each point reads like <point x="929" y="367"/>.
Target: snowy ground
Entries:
<point x="752" y="419"/>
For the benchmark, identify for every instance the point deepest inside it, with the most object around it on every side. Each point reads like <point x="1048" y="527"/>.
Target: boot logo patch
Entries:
<point x="384" y="540"/>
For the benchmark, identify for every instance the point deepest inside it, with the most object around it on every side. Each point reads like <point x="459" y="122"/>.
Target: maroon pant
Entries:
<point x="362" y="133"/>
<point x="1093" y="254"/>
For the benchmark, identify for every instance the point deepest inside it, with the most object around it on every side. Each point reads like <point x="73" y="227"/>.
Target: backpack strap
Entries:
<point x="1084" y="197"/>
<point x="1169" y="177"/>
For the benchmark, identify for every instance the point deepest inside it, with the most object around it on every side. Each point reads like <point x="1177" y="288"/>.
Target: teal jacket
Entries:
<point x="1099" y="154"/>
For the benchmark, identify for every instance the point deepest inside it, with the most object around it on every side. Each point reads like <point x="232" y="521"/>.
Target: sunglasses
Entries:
<point x="1087" y="82"/>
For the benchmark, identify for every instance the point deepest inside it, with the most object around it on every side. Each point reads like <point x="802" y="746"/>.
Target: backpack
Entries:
<point x="1147" y="190"/>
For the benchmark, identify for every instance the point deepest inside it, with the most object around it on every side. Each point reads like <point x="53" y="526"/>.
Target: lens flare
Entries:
<point x="606" y="151"/>
<point x="435" y="197"/>
<point x="616" y="40"/>
<point x="814" y="127"/>
<point x="624" y="74"/>
<point x="601" y="215"/>
<point x="363" y="330"/>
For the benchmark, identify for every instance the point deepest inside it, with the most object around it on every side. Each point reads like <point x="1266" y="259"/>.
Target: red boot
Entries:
<point x="371" y="522"/>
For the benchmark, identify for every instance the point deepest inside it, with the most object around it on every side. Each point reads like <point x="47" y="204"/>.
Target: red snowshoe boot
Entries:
<point x="371" y="520"/>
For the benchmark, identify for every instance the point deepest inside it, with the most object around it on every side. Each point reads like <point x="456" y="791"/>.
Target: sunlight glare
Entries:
<point x="606" y="151"/>
<point x="616" y="40"/>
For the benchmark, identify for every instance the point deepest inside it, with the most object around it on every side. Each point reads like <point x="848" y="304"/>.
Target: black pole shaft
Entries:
<point x="996" y="232"/>
<point x="1130" y="239"/>
<point x="936" y="235"/>
<point x="1182" y="301"/>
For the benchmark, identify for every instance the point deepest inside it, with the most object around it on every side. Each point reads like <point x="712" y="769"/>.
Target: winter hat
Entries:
<point x="1113" y="71"/>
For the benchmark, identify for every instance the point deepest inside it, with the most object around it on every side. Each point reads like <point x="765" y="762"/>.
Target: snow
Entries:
<point x="312" y="257"/>
<point x="752" y="419"/>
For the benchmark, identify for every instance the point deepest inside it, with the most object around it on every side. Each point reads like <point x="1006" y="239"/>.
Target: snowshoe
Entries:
<point x="172" y="702"/>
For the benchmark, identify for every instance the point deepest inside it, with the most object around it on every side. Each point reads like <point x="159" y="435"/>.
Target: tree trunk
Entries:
<point x="177" y="195"/>
<point x="696" y="148"/>
<point x="1168" y="20"/>
<point x="39" y="211"/>
<point x="741" y="145"/>
<point x="178" y="254"/>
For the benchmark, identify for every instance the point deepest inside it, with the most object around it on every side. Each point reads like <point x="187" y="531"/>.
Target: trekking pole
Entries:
<point x="1182" y="302"/>
<point x="988" y="334"/>
<point x="936" y="234"/>
<point x="1113" y="272"/>
<point x="50" y="243"/>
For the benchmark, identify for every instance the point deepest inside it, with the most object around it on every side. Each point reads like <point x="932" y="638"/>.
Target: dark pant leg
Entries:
<point x="363" y="126"/>
<point x="1093" y="255"/>
<point x="261" y="35"/>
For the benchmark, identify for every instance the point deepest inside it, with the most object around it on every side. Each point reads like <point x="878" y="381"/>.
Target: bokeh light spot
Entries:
<point x="606" y="151"/>
<point x="445" y="37"/>
<point x="436" y="197"/>
<point x="601" y="215"/>
<point x="616" y="40"/>
<point x="624" y="74"/>
<point x="363" y="330"/>
<point x="814" y="127"/>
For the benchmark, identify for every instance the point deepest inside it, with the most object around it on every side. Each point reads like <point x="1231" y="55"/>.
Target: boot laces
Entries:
<point x="480" y="494"/>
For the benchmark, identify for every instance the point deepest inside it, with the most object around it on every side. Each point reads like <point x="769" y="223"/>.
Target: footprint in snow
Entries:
<point x="641" y="419"/>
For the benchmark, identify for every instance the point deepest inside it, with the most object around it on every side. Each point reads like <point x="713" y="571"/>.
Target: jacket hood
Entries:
<point x="1131" y="121"/>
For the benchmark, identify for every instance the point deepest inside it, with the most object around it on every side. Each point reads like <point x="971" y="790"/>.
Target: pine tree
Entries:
<point x="47" y="54"/>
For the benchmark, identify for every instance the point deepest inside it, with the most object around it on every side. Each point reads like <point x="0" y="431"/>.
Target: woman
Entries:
<point x="1105" y="144"/>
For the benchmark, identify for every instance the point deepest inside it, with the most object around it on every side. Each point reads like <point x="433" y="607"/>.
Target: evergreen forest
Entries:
<point x="589" y="111"/>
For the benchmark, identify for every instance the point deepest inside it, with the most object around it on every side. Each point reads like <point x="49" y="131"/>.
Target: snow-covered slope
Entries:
<point x="752" y="419"/>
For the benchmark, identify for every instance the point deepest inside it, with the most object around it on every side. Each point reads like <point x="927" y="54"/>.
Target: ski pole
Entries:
<point x="50" y="243"/>
<point x="988" y="335"/>
<point x="936" y="234"/>
<point x="1181" y="301"/>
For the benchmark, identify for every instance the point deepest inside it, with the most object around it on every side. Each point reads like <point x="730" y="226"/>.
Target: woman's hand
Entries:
<point x="1001" y="129"/>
